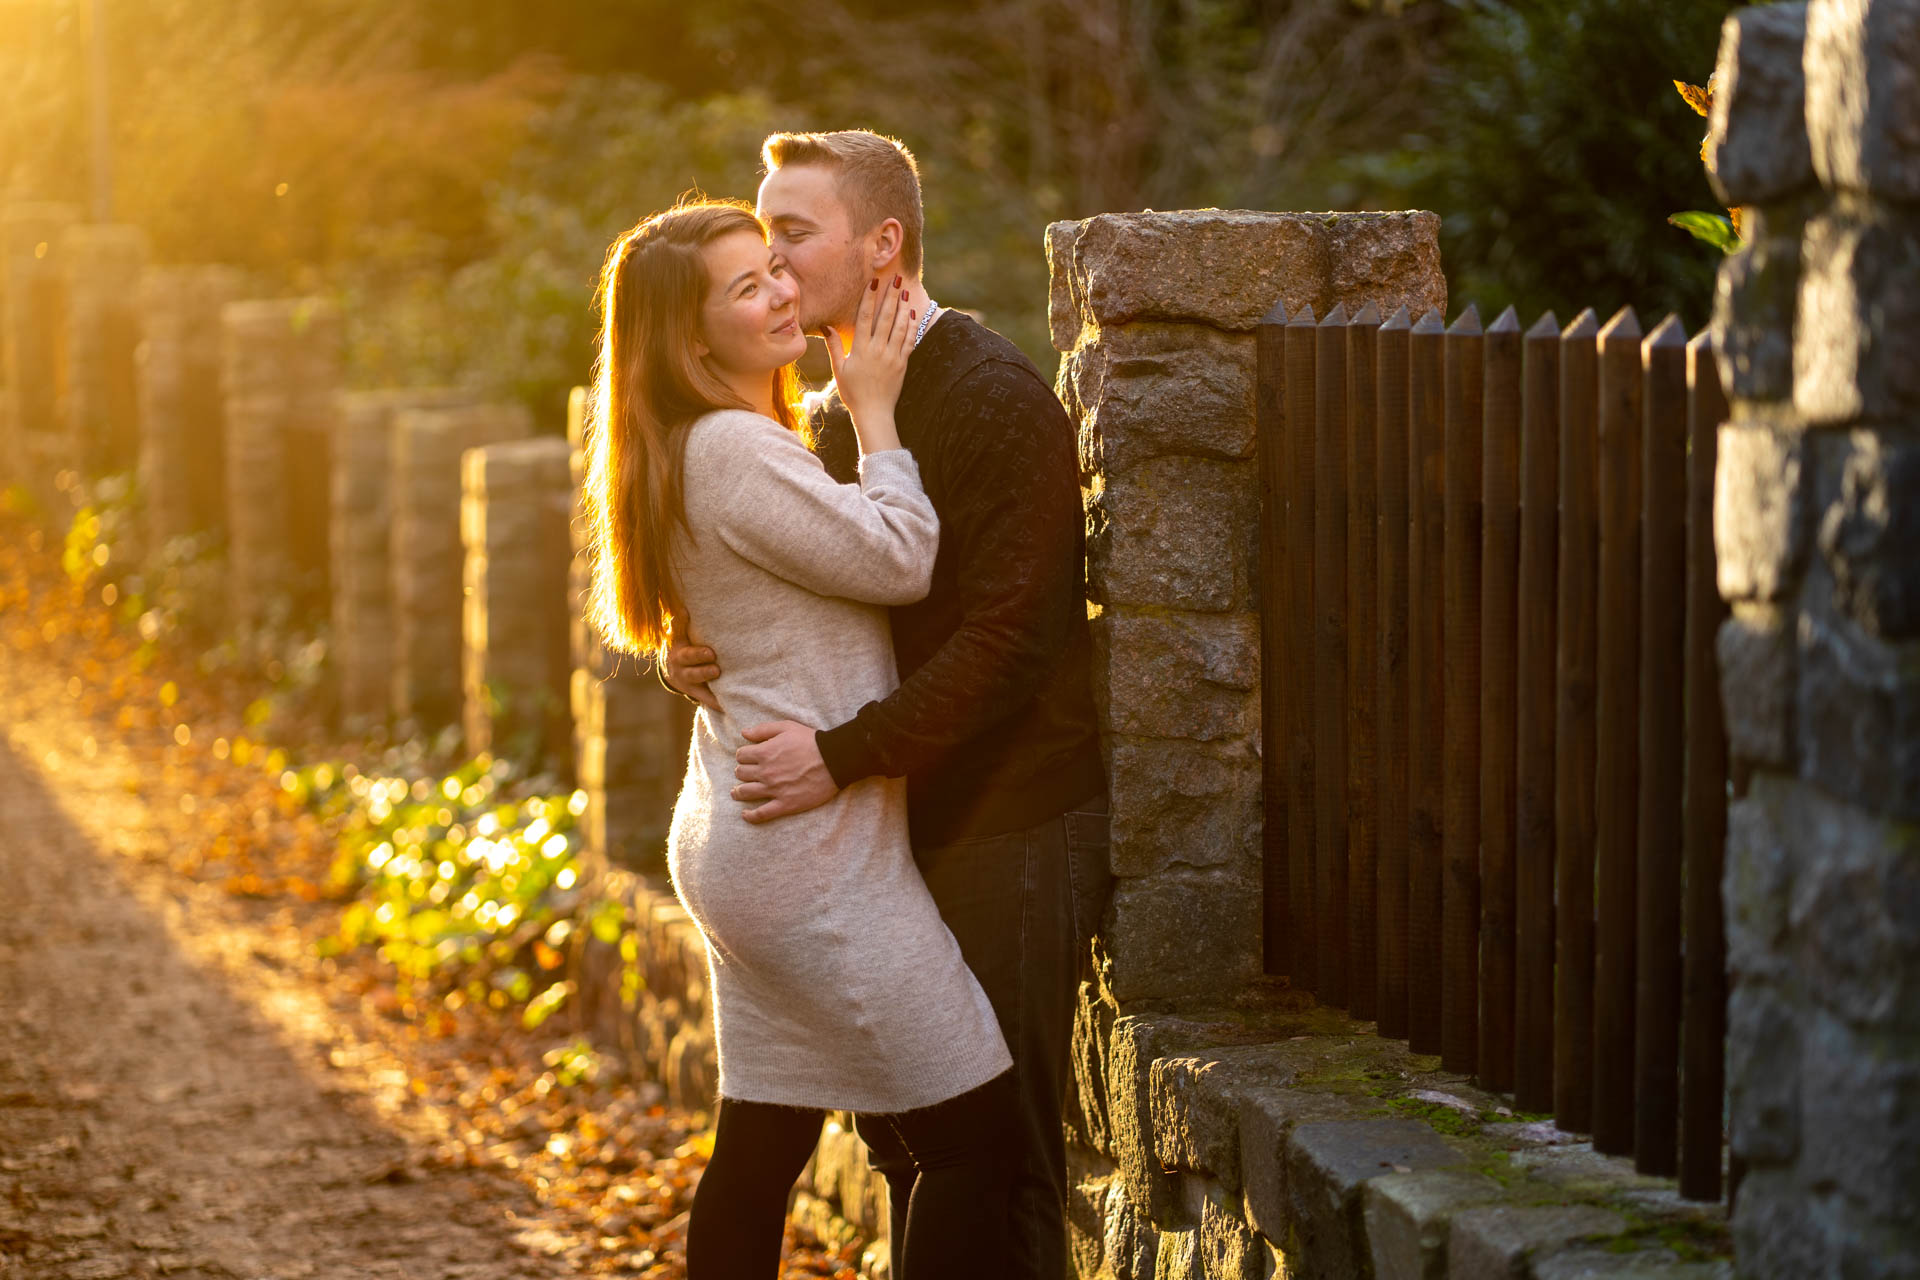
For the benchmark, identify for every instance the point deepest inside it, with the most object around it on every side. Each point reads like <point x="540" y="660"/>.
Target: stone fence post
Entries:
<point x="1816" y="131"/>
<point x="182" y="451"/>
<point x="102" y="266"/>
<point x="34" y="447"/>
<point x="360" y="541"/>
<point x="1155" y="315"/>
<point x="425" y="555"/>
<point x="280" y="368"/>
<point x="630" y="735"/>
<point x="515" y="505"/>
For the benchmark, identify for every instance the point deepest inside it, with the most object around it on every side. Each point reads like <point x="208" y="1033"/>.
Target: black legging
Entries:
<point x="957" y="1215"/>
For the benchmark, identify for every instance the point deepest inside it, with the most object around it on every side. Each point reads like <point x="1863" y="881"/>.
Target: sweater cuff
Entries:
<point x="888" y="464"/>
<point x="847" y="753"/>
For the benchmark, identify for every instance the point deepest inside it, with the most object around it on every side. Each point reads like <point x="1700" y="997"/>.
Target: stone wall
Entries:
<point x="630" y="734"/>
<point x="182" y="431"/>
<point x="516" y="501"/>
<point x="1816" y="131"/>
<point x="280" y="370"/>
<point x="102" y="264"/>
<point x="1154" y="315"/>
<point x="425" y="555"/>
<point x="361" y="606"/>
<point x="31" y="329"/>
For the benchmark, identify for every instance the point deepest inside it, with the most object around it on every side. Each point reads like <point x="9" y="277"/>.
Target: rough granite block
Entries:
<point x="1870" y="532"/>
<point x="1178" y="675"/>
<point x="1857" y="721"/>
<point x="1651" y="1264"/>
<point x="1196" y="1100"/>
<point x="1268" y="1118"/>
<point x="1329" y="1163"/>
<point x="1173" y="532"/>
<point x="1757" y="149"/>
<point x="1863" y="95"/>
<point x="1227" y="267"/>
<point x="1145" y="391"/>
<point x="1857" y="336"/>
<point x="1182" y="803"/>
<point x="1755" y="648"/>
<point x="1753" y="304"/>
<point x="1407" y="1216"/>
<point x="1496" y="1243"/>
<point x="1184" y="933"/>
<point x="1760" y="510"/>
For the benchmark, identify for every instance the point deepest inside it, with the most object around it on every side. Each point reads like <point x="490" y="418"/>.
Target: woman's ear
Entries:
<point x="701" y="349"/>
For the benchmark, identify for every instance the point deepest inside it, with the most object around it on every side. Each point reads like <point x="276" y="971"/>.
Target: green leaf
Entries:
<point x="1714" y="228"/>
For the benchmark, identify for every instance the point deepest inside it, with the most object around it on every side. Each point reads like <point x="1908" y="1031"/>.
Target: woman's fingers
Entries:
<point x="903" y="322"/>
<point x="882" y="317"/>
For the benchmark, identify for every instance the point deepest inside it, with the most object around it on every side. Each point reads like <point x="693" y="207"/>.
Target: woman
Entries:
<point x="835" y="983"/>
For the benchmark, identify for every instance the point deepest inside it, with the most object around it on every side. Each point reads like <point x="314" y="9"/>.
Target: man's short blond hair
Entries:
<point x="876" y="175"/>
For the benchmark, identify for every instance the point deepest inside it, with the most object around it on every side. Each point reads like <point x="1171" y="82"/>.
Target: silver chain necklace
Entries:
<point x="933" y="309"/>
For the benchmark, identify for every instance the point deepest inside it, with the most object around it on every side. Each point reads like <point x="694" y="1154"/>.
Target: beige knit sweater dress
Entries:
<point x="835" y="982"/>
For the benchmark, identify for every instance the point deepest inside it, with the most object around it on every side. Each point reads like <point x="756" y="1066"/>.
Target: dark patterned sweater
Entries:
<point x="993" y="724"/>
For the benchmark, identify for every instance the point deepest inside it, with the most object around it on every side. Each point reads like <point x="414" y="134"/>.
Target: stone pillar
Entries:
<point x="102" y="265"/>
<point x="425" y="554"/>
<point x="516" y="502"/>
<point x="359" y="532"/>
<point x="183" y="443"/>
<point x="1816" y="131"/>
<point x="280" y="369"/>
<point x="32" y="337"/>
<point x="630" y="734"/>
<point x="1155" y="316"/>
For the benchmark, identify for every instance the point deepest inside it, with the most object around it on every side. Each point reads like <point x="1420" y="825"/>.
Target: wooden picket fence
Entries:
<point x="1495" y="763"/>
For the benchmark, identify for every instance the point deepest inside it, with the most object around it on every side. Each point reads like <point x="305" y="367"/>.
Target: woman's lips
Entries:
<point x="788" y="329"/>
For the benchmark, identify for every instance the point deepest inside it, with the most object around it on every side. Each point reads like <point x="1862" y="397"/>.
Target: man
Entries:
<point x="993" y="724"/>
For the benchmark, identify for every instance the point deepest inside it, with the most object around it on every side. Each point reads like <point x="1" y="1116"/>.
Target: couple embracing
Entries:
<point x="892" y="832"/>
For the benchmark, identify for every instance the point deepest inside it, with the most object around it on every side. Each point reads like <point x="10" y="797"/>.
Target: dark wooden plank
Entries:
<point x="1533" y="718"/>
<point x="1390" y="672"/>
<point x="1663" y="608"/>
<point x="1426" y="673"/>
<point x="1362" y="764"/>
<point x="1270" y="458"/>
<point x="1703" y="1038"/>
<point x="1616" y="734"/>
<point x="1303" y="944"/>
<point x="1460" y="766"/>
<point x="1576" y="633"/>
<point x="1330" y="654"/>
<point x="1499" y="588"/>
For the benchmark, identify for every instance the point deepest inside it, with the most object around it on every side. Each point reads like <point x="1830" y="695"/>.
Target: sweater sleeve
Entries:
<point x="776" y="506"/>
<point x="1015" y="529"/>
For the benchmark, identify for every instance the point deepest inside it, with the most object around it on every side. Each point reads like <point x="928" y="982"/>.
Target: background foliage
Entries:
<point x="454" y="169"/>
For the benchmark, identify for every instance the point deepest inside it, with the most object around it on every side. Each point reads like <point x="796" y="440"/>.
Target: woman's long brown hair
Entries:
<point x="649" y="386"/>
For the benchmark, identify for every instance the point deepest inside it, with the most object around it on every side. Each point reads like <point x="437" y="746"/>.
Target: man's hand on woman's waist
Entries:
<point x="781" y="766"/>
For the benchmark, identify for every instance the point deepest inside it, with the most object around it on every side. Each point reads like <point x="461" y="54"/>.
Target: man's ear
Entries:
<point x="888" y="238"/>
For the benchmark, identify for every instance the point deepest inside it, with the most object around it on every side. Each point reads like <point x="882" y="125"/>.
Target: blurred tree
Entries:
<point x="455" y="168"/>
<point x="1553" y="146"/>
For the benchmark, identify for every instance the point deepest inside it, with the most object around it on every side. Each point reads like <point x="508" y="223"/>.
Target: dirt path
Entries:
<point x="175" y="1098"/>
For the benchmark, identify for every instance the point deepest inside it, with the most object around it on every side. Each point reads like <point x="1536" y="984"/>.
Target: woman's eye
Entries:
<point x="748" y="291"/>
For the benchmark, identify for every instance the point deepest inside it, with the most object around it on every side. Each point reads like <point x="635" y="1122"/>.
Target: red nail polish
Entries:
<point x="896" y="282"/>
<point x="875" y="284"/>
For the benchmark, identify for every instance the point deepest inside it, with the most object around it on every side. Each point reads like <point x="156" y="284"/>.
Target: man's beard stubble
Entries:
<point x="841" y="294"/>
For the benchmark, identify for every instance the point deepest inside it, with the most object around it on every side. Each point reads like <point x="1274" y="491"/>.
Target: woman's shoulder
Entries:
<point x="729" y="437"/>
<point x="732" y="424"/>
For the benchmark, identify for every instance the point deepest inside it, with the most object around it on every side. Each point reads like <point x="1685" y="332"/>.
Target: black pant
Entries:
<point x="1023" y="907"/>
<point x="962" y="1157"/>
